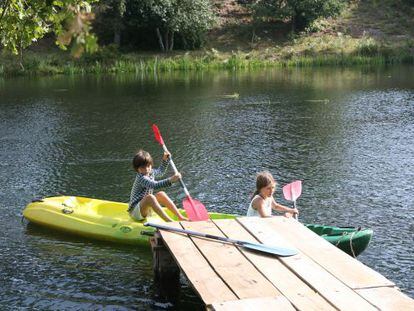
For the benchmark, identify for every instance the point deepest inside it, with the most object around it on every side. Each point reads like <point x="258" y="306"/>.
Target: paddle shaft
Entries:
<point x="294" y="202"/>
<point x="195" y="210"/>
<point x="164" y="147"/>
<point x="294" y="206"/>
<point x="195" y="233"/>
<point x="269" y="249"/>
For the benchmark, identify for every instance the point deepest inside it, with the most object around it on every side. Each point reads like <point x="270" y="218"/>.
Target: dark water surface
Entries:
<point x="347" y="133"/>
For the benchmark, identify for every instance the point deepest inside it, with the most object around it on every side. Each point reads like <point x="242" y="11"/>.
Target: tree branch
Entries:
<point x="5" y="7"/>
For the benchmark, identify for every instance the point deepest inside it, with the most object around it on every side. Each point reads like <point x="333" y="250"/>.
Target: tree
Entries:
<point x="109" y="20"/>
<point x="24" y="22"/>
<point x="300" y="12"/>
<point x="189" y="18"/>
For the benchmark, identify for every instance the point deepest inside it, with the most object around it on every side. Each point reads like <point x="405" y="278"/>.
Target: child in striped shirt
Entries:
<point x="142" y="198"/>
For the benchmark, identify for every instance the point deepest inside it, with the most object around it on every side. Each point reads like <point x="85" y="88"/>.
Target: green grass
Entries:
<point x="302" y="51"/>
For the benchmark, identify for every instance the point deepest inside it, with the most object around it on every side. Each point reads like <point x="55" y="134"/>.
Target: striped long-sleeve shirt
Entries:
<point x="146" y="184"/>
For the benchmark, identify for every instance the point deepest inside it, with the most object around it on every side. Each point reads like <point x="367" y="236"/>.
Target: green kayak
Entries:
<point x="110" y="221"/>
<point x="351" y="240"/>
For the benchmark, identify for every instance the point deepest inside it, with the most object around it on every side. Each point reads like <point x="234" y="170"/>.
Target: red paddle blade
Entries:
<point x="293" y="190"/>
<point x="157" y="134"/>
<point x="195" y="210"/>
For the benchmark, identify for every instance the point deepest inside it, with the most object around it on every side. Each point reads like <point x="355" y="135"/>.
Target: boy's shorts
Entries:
<point x="136" y="212"/>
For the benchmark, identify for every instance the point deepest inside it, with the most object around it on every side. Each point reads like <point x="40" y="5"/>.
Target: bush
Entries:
<point x="171" y="24"/>
<point x="300" y="12"/>
<point x="367" y="47"/>
<point x="319" y="24"/>
<point x="105" y="55"/>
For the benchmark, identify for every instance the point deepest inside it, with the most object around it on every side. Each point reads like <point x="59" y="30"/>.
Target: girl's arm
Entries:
<point x="279" y="207"/>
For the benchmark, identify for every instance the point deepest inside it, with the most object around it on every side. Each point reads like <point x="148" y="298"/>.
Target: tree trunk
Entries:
<point x="185" y="43"/>
<point x="21" y="55"/>
<point x="172" y="41"/>
<point x="166" y="40"/>
<point x="298" y="22"/>
<point x="293" y="23"/>
<point x="117" y="37"/>
<point x="160" y="39"/>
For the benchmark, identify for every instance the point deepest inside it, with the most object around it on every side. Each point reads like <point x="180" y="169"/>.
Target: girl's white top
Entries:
<point x="267" y="208"/>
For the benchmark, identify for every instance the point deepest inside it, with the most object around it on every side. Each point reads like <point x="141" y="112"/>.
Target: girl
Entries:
<point x="262" y="200"/>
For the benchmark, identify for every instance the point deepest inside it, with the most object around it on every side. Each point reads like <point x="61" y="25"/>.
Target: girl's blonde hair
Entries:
<point x="263" y="179"/>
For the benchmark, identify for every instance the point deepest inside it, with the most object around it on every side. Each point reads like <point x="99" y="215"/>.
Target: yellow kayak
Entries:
<point x="93" y="218"/>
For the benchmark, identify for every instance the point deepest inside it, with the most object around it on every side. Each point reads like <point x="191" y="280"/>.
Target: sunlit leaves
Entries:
<point x="77" y="30"/>
<point x="25" y="22"/>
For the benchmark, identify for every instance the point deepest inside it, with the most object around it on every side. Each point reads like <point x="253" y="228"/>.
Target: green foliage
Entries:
<point x="319" y="24"/>
<point x="146" y="24"/>
<point x="109" y="21"/>
<point x="190" y="19"/>
<point x="367" y="47"/>
<point x="301" y="12"/>
<point x="25" y="22"/>
<point x="105" y="55"/>
<point x="195" y="19"/>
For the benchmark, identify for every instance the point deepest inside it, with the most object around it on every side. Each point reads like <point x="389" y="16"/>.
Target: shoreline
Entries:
<point x="60" y="63"/>
<point x="364" y="34"/>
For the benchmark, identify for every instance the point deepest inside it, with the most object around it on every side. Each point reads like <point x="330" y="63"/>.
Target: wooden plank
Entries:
<point x="387" y="298"/>
<point x="234" y="268"/>
<point x="292" y="287"/>
<point x="327" y="285"/>
<point x="267" y="303"/>
<point x="198" y="271"/>
<point x="346" y="268"/>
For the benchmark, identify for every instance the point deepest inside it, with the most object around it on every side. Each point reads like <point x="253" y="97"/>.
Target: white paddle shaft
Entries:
<point x="294" y="202"/>
<point x="164" y="147"/>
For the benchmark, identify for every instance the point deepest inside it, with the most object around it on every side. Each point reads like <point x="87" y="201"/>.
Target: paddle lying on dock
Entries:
<point x="269" y="249"/>
<point x="195" y="210"/>
<point x="293" y="191"/>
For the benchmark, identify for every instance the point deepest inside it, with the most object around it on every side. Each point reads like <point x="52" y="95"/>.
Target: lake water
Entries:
<point x="347" y="133"/>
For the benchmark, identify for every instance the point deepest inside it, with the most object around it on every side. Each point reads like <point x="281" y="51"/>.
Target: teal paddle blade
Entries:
<point x="270" y="249"/>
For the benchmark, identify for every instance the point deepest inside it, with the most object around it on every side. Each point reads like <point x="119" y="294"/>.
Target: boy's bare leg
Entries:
<point x="165" y="200"/>
<point x="150" y="201"/>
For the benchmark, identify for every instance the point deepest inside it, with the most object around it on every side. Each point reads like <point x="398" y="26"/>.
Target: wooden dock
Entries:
<point x="319" y="277"/>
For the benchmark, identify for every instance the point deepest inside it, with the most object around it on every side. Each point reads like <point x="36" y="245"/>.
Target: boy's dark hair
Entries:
<point x="141" y="159"/>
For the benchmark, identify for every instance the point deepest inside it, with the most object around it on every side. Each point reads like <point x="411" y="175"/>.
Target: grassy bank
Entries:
<point x="367" y="33"/>
<point x="326" y="51"/>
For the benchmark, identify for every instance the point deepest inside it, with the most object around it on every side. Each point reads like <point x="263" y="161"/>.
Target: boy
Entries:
<point x="142" y="198"/>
